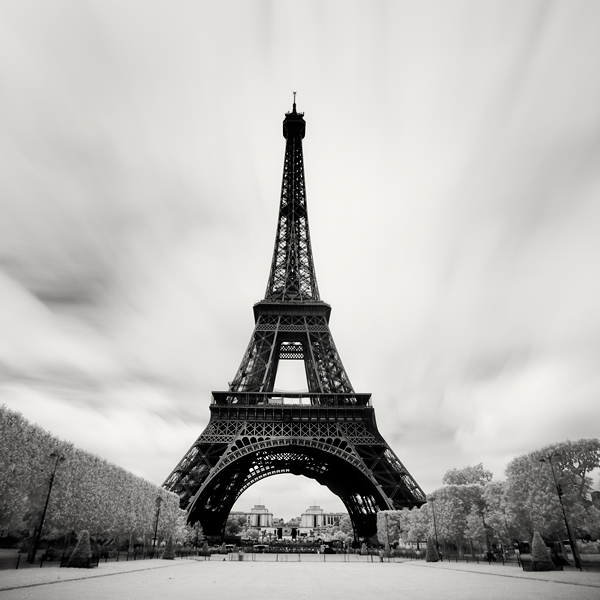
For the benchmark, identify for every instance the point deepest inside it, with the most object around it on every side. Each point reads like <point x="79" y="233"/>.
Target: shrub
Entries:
<point x="82" y="553"/>
<point x="168" y="554"/>
<point x="540" y="554"/>
<point x="588" y="547"/>
<point x="432" y="553"/>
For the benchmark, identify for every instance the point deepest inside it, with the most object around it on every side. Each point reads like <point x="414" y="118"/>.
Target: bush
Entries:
<point x="168" y="554"/>
<point x="540" y="554"/>
<point x="82" y="553"/>
<point x="432" y="553"/>
<point x="588" y="547"/>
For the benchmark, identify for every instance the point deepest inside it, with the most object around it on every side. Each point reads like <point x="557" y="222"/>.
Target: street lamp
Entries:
<point x="437" y="545"/>
<point x="158" y="503"/>
<point x="548" y="457"/>
<point x="387" y="534"/>
<point x="59" y="458"/>
<point x="197" y="533"/>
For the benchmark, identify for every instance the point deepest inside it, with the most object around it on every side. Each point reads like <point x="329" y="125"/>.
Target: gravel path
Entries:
<point x="222" y="580"/>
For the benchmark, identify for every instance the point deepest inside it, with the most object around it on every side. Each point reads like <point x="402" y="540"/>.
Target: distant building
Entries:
<point x="595" y="496"/>
<point x="259" y="517"/>
<point x="315" y="520"/>
<point x="316" y="517"/>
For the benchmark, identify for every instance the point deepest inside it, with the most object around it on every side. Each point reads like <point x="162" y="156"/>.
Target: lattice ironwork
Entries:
<point x="328" y="433"/>
<point x="300" y="337"/>
<point x="358" y="434"/>
<point x="292" y="277"/>
<point x="291" y="351"/>
<point x="308" y="430"/>
<point x="238" y="451"/>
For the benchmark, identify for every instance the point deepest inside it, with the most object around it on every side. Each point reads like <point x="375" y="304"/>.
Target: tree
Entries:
<point x="184" y="533"/>
<point x="416" y="524"/>
<point x="340" y="536"/>
<point x="592" y="521"/>
<point x="575" y="461"/>
<point x="497" y="515"/>
<point x="235" y="523"/>
<point x="452" y="506"/>
<point x="476" y="529"/>
<point x="540" y="554"/>
<point x="24" y="470"/>
<point x="390" y="525"/>
<point x="346" y="528"/>
<point x="191" y="534"/>
<point x="342" y="531"/>
<point x="465" y="489"/>
<point x="467" y="476"/>
<point x="532" y="496"/>
<point x="404" y="519"/>
<point x="172" y="518"/>
<point x="88" y="492"/>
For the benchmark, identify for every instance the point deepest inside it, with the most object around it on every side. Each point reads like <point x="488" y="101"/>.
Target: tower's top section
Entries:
<point x="293" y="124"/>
<point x="292" y="277"/>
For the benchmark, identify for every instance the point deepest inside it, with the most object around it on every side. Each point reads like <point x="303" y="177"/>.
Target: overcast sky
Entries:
<point x="452" y="161"/>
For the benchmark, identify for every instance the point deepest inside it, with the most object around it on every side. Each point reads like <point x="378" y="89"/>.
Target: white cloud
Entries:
<point x="451" y="159"/>
<point x="136" y="425"/>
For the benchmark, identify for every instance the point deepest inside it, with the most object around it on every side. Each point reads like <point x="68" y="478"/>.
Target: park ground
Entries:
<point x="225" y="579"/>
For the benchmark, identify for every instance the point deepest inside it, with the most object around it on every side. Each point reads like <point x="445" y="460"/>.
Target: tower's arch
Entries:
<point x="331" y="462"/>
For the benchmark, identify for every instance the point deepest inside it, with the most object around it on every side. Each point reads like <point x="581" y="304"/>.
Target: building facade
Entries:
<point x="316" y="518"/>
<point x="259" y="517"/>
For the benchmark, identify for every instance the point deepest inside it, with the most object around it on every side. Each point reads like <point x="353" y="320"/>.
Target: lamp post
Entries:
<point x="197" y="533"/>
<point x="437" y="545"/>
<point x="132" y="521"/>
<point x="59" y="458"/>
<point x="158" y="503"/>
<point x="387" y="535"/>
<point x="548" y="457"/>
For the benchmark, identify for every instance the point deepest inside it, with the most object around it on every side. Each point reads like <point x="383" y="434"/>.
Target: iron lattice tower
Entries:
<point x="328" y="433"/>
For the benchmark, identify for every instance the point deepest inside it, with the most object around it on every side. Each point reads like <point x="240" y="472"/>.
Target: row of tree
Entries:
<point x="83" y="491"/>
<point x="542" y="491"/>
<point x="473" y="511"/>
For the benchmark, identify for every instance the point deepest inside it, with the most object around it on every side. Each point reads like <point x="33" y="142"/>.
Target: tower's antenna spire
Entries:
<point x="294" y="101"/>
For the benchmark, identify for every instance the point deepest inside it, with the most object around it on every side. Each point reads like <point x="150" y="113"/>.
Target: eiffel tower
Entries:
<point x="328" y="433"/>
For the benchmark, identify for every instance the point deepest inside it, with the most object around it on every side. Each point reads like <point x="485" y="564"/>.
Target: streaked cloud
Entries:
<point x="451" y="159"/>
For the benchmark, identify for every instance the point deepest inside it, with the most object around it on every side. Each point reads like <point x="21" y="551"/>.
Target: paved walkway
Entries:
<point x="221" y="580"/>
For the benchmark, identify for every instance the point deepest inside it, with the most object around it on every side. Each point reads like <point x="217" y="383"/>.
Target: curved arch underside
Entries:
<point x="334" y="467"/>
